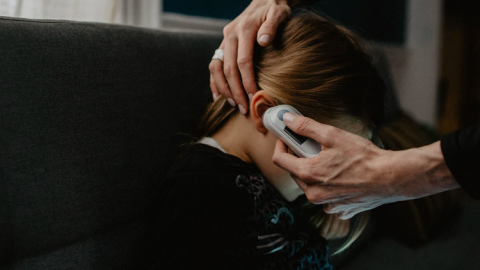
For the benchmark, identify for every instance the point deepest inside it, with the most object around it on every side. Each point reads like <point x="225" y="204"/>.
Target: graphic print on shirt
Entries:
<point x="280" y="211"/>
<point x="276" y="231"/>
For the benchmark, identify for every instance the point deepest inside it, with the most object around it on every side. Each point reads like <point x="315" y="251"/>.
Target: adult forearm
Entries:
<point x="419" y="172"/>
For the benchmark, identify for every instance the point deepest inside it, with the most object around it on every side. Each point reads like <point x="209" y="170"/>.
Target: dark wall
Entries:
<point x="208" y="8"/>
<point x="377" y="20"/>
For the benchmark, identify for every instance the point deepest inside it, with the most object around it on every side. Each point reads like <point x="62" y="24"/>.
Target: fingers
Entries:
<point x="284" y="160"/>
<point x="268" y="30"/>
<point x="216" y="72"/>
<point x="324" y="134"/>
<point x="303" y="186"/>
<point x="213" y="88"/>
<point x="245" y="63"/>
<point x="220" y="85"/>
<point x="232" y="74"/>
<point x="236" y="72"/>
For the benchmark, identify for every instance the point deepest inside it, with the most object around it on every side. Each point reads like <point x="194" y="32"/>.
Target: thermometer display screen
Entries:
<point x="298" y="138"/>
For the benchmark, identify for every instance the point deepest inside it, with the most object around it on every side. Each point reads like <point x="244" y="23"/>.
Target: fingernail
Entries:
<point x="250" y="96"/>
<point x="214" y="97"/>
<point x="242" y="110"/>
<point x="231" y="101"/>
<point x="288" y="117"/>
<point x="265" y="39"/>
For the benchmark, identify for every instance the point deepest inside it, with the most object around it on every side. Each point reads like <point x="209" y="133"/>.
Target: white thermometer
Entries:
<point x="302" y="146"/>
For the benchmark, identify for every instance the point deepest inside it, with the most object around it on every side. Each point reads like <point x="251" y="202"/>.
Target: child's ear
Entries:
<point x="259" y="104"/>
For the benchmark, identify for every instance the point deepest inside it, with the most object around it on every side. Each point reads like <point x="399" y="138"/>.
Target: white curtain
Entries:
<point x="144" y="13"/>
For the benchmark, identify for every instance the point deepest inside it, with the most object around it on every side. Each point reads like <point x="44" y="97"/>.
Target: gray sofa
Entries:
<point x="91" y="116"/>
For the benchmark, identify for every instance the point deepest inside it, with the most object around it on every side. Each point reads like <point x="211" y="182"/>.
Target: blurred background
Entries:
<point x="432" y="46"/>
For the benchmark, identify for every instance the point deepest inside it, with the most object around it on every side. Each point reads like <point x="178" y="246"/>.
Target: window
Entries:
<point x="144" y="13"/>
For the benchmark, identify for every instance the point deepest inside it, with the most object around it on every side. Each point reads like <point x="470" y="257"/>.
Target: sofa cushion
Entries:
<point x="90" y="118"/>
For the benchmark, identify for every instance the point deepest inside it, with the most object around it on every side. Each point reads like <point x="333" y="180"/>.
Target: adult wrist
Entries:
<point x="414" y="173"/>
<point x="424" y="172"/>
<point x="438" y="173"/>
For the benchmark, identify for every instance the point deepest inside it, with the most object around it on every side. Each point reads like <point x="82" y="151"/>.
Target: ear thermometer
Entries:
<point x="302" y="146"/>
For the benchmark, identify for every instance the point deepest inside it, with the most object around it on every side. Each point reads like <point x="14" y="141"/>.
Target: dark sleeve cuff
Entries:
<point x="464" y="165"/>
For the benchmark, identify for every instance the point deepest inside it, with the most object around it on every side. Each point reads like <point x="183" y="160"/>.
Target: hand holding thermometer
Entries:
<point x="302" y="146"/>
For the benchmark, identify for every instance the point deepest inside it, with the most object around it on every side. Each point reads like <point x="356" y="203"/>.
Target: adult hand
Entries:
<point x="351" y="175"/>
<point x="259" y="21"/>
<point x="335" y="228"/>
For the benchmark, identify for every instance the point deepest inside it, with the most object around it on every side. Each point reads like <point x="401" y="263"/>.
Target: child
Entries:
<point x="228" y="205"/>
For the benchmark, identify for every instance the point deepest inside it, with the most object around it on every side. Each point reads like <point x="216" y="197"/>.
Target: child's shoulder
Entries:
<point x="203" y="159"/>
<point x="211" y="171"/>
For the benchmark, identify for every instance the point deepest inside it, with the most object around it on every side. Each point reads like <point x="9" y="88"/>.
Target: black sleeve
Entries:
<point x="461" y="150"/>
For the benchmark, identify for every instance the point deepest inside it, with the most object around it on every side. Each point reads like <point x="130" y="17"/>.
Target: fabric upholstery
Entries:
<point x="90" y="117"/>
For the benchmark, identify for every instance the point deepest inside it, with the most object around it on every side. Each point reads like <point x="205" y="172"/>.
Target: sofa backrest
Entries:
<point x="90" y="118"/>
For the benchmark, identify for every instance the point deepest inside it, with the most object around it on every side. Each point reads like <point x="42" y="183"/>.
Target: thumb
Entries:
<point x="268" y="30"/>
<point x="324" y="134"/>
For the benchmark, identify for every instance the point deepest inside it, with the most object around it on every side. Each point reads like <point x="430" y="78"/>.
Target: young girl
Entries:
<point x="228" y="205"/>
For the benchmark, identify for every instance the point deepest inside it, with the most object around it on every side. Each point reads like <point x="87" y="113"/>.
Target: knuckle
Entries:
<point x="331" y="132"/>
<point x="304" y="125"/>
<point x="227" y="30"/>
<point x="269" y="25"/>
<point x="243" y="26"/>
<point x="227" y="70"/>
<point x="243" y="61"/>
<point x="211" y="66"/>
<point x="302" y="174"/>
<point x="287" y="10"/>
<point x="275" y="159"/>
<point x="215" y="67"/>
<point x="282" y="11"/>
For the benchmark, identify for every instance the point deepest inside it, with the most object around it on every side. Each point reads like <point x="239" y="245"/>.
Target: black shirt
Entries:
<point x="220" y="213"/>
<point x="461" y="151"/>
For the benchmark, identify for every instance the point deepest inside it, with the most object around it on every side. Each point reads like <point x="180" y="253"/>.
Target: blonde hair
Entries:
<point x="325" y="72"/>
